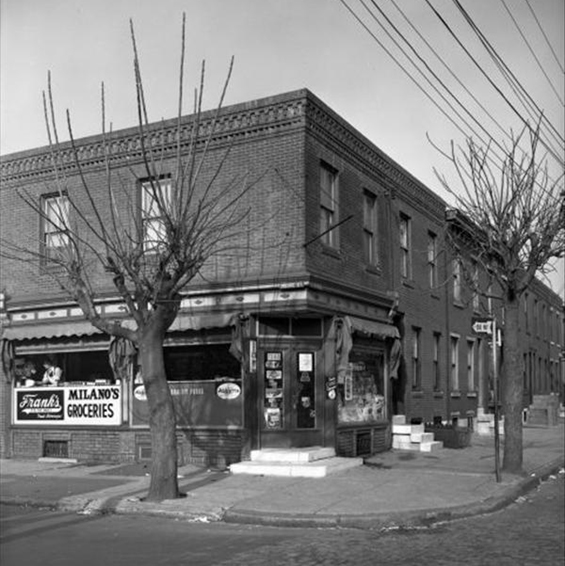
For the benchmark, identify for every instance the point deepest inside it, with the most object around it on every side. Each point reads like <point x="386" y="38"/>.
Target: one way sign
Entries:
<point x="482" y="326"/>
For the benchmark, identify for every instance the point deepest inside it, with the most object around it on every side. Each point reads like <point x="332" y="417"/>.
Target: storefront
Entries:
<point x="238" y="383"/>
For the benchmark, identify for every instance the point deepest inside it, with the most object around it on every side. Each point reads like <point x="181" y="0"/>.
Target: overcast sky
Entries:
<point x="279" y="45"/>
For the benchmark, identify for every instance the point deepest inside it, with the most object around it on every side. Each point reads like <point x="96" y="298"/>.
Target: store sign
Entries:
<point x="228" y="391"/>
<point x="96" y="405"/>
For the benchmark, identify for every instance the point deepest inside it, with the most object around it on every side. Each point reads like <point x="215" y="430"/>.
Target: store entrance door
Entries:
<point x="290" y="397"/>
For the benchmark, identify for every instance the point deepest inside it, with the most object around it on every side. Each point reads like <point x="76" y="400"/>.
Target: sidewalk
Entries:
<point x="394" y="489"/>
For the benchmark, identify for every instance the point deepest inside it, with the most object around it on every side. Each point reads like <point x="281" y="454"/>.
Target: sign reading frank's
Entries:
<point x="40" y="405"/>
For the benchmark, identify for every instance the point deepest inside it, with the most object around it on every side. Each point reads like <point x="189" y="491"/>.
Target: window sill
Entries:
<point x="471" y="394"/>
<point x="417" y="393"/>
<point x="439" y="394"/>
<point x="331" y="252"/>
<point x="408" y="282"/>
<point x="373" y="269"/>
<point x="458" y="304"/>
<point x="435" y="295"/>
<point x="455" y="394"/>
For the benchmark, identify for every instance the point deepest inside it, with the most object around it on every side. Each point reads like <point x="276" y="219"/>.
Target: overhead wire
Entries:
<point x="532" y="52"/>
<point x="420" y="87"/>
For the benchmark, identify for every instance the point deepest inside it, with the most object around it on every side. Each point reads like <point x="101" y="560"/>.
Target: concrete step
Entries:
<point x="292" y="455"/>
<point x="404" y="443"/>
<point x="311" y="469"/>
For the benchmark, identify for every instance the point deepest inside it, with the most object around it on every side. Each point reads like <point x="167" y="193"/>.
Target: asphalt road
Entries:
<point x="529" y="532"/>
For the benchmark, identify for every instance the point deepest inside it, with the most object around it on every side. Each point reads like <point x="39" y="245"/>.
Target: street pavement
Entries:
<point x="394" y="489"/>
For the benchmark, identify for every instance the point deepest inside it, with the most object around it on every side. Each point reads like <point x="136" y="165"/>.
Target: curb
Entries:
<point x="402" y="520"/>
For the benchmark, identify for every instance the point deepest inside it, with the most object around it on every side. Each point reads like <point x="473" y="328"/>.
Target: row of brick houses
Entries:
<point x="345" y="305"/>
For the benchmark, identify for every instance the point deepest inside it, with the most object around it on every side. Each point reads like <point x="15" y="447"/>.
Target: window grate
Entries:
<point x="56" y="448"/>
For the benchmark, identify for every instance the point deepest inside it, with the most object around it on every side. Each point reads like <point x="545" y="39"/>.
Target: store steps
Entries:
<point x="311" y="462"/>
<point x="411" y="437"/>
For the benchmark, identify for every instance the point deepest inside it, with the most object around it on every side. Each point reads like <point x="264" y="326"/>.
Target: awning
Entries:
<point x="200" y="322"/>
<point x="373" y="328"/>
<point x="85" y="328"/>
<point x="58" y="330"/>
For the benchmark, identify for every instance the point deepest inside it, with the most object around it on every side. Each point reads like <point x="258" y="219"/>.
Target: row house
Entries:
<point x="339" y="306"/>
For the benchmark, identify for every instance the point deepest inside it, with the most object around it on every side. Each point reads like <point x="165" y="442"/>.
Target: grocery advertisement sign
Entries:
<point x="97" y="405"/>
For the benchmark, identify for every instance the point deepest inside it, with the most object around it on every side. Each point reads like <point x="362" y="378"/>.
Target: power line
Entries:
<point x="532" y="52"/>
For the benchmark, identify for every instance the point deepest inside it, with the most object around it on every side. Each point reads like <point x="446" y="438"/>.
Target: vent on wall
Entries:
<point x="56" y="448"/>
<point x="144" y="453"/>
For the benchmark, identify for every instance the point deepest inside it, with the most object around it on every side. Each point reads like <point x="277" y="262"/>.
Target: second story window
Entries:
<point x="457" y="280"/>
<point x="328" y="205"/>
<point x="370" y="228"/>
<point x="55" y="223"/>
<point x="454" y="354"/>
<point x="432" y="260"/>
<point x="405" y="253"/>
<point x="471" y="365"/>
<point x="436" y="364"/>
<point x="476" y="299"/>
<point x="155" y="202"/>
<point x="416" y="366"/>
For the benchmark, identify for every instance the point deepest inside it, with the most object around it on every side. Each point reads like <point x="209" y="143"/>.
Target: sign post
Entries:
<point x="487" y="326"/>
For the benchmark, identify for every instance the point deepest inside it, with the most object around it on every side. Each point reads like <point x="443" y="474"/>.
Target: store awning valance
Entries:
<point x="53" y="330"/>
<point x="84" y="328"/>
<point x="373" y="328"/>
<point x="201" y="322"/>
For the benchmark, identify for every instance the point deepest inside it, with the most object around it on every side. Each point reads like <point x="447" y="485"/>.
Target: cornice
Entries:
<point x="235" y="124"/>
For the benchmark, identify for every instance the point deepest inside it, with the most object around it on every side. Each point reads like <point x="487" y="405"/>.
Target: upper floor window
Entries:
<point x="405" y="251"/>
<point x="328" y="205"/>
<point x="55" y="223"/>
<point x="436" y="364"/>
<point x="370" y="228"/>
<point x="432" y="260"/>
<point x="454" y="354"/>
<point x="475" y="276"/>
<point x="155" y="202"/>
<point x="526" y="312"/>
<point x="416" y="362"/>
<point x="457" y="280"/>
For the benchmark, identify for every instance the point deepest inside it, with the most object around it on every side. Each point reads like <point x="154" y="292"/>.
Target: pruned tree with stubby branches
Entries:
<point x="515" y="217"/>
<point x="151" y="250"/>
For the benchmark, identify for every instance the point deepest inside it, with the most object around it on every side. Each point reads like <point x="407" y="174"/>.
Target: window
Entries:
<point x="475" y="275"/>
<point x="405" y="260"/>
<point x="432" y="260"/>
<point x="526" y="313"/>
<point x="454" y="363"/>
<point x="457" y="280"/>
<point x="416" y="366"/>
<point x="155" y="202"/>
<point x="55" y="216"/>
<point x="370" y="228"/>
<point x="535" y="325"/>
<point x="471" y="365"/>
<point x="328" y="205"/>
<point x="436" y="365"/>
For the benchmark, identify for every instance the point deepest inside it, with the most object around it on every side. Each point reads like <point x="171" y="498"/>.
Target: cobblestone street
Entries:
<point x="529" y="532"/>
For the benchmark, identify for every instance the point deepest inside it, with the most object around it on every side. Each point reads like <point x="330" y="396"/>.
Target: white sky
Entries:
<point x="279" y="45"/>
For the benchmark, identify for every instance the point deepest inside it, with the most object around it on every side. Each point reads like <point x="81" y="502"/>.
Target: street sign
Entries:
<point x="482" y="326"/>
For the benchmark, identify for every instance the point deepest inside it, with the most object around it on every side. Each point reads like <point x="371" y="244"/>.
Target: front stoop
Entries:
<point x="313" y="462"/>
<point x="412" y="437"/>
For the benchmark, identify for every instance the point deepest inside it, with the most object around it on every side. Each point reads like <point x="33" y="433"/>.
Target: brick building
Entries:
<point x="341" y="300"/>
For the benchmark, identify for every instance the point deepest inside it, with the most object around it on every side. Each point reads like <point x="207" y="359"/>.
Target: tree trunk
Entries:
<point x="162" y="420"/>
<point x="512" y="391"/>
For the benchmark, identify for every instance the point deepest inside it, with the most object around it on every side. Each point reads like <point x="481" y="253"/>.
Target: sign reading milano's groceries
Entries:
<point x="80" y="405"/>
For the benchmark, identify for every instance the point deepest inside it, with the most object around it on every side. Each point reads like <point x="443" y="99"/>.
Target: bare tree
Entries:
<point x="151" y="251"/>
<point x="518" y="217"/>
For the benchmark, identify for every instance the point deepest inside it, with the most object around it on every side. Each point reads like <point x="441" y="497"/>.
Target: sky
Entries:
<point x="279" y="46"/>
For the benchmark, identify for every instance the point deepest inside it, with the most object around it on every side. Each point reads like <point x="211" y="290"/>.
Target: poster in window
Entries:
<point x="273" y="387"/>
<point x="306" y="389"/>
